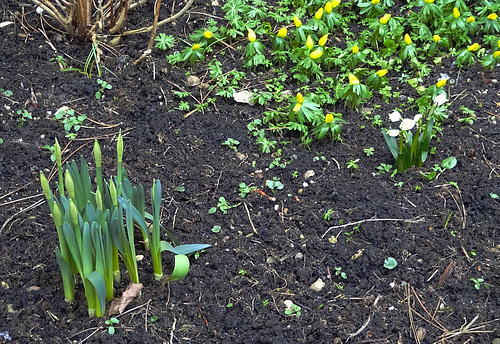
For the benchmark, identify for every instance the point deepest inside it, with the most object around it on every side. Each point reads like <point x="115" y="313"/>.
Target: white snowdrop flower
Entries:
<point x="407" y="124"/>
<point x="440" y="99"/>
<point x="395" y="116"/>
<point x="417" y="117"/>
<point x="393" y="132"/>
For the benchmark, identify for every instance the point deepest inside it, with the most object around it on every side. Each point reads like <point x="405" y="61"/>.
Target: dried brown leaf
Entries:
<point x="119" y="305"/>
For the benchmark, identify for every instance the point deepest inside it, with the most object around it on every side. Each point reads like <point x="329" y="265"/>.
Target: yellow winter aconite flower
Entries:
<point x="297" y="22"/>
<point x="473" y="47"/>
<point x="385" y="18"/>
<point x="208" y="34"/>
<point x="299" y="98"/>
<point x="196" y="46"/>
<point x="471" y="19"/>
<point x="456" y="13"/>
<point x="375" y="2"/>
<point x="297" y="107"/>
<point x="328" y="7"/>
<point x="498" y="43"/>
<point x="493" y="16"/>
<point x="353" y="80"/>
<point x="251" y="35"/>
<point x="382" y="72"/>
<point x="309" y="42"/>
<point x="496" y="54"/>
<point x="282" y="32"/>
<point x="436" y="38"/>
<point x="407" y="39"/>
<point x="322" y="41"/>
<point x="319" y="14"/>
<point x="355" y="49"/>
<point x="316" y="54"/>
<point x="328" y="118"/>
<point x="441" y="83"/>
<point x="335" y="3"/>
<point x="429" y="1"/>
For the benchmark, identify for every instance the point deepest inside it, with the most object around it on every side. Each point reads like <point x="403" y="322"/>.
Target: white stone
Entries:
<point x="318" y="285"/>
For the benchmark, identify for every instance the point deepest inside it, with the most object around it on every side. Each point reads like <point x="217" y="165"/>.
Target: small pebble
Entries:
<point x="271" y="260"/>
<point x="299" y="256"/>
<point x="193" y="80"/>
<point x="495" y="341"/>
<point x="309" y="174"/>
<point x="318" y="285"/>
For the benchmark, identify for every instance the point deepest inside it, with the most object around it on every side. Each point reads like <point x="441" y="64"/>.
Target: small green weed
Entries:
<point x="103" y="86"/>
<point x="25" y="115"/>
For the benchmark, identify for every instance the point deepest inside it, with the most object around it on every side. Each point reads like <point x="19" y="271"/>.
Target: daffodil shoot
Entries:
<point x="96" y="226"/>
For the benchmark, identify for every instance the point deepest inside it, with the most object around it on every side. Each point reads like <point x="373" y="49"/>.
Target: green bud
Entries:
<point x="98" y="199"/>
<point x="57" y="216"/>
<point x="112" y="192"/>
<point x="57" y="153"/>
<point x="70" y="186"/>
<point x="73" y="213"/>
<point x="45" y="186"/>
<point x="97" y="154"/>
<point x="119" y="147"/>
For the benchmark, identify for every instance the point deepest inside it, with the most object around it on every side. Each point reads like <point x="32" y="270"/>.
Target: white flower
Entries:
<point x="395" y="116"/>
<point x="440" y="99"/>
<point x="417" y="117"/>
<point x="407" y="124"/>
<point x="393" y="132"/>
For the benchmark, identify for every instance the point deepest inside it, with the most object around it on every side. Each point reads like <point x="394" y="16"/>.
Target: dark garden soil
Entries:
<point x="270" y="248"/>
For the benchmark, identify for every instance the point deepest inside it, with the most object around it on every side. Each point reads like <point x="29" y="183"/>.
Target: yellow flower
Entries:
<point x="196" y="46"/>
<point x="328" y="118"/>
<point x="407" y="39"/>
<point x="335" y="3"/>
<point x="282" y="32"/>
<point x="496" y="54"/>
<point x="309" y="42"/>
<point x="382" y="72"/>
<point x="297" y="107"/>
<point x="322" y="41"/>
<point x="471" y="19"/>
<point x="375" y="2"/>
<point x="319" y="14"/>
<point x="493" y="16"/>
<point x="208" y="34"/>
<point x="441" y="83"/>
<point x="456" y="13"/>
<point x="251" y="35"/>
<point x="436" y="38"/>
<point x="429" y="1"/>
<point x="385" y="18"/>
<point x="353" y="80"/>
<point x="328" y="7"/>
<point x="299" y="98"/>
<point x="316" y="54"/>
<point x="355" y="49"/>
<point x="297" y="22"/>
<point x="473" y="47"/>
<point x="498" y="43"/>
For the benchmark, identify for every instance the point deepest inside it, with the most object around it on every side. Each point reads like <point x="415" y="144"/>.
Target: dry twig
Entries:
<point x="417" y="219"/>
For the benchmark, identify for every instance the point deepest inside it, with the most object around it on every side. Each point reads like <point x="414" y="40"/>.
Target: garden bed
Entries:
<point x="273" y="244"/>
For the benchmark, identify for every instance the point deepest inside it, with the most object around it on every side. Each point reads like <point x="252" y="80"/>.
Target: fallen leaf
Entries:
<point x="244" y="97"/>
<point x="119" y="305"/>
